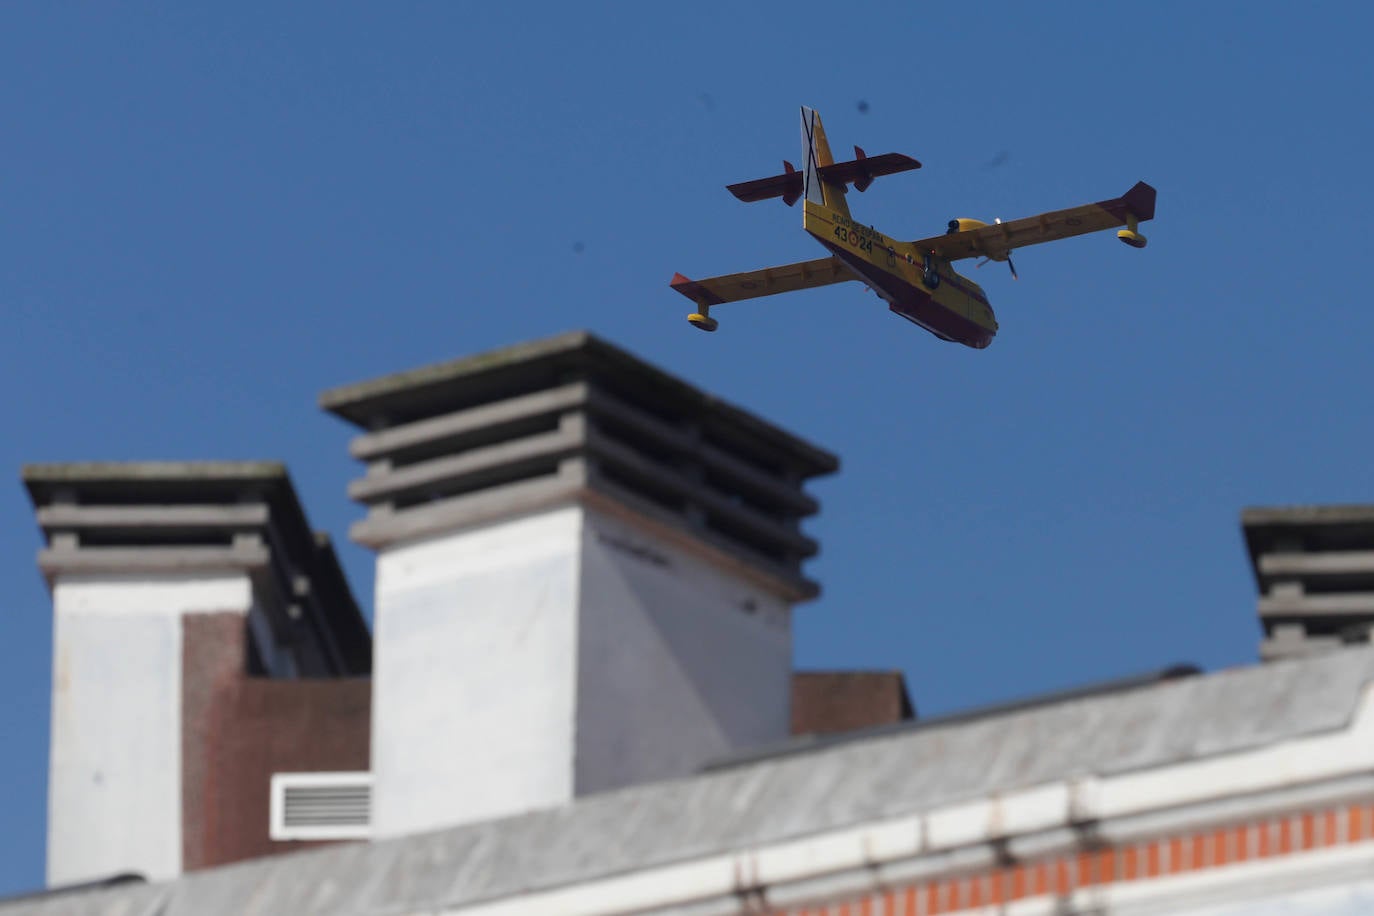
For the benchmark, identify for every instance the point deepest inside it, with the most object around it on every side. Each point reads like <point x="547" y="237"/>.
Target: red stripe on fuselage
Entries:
<point x="940" y="321"/>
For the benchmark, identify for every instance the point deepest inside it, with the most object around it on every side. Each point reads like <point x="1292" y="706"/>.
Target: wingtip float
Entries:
<point x="917" y="278"/>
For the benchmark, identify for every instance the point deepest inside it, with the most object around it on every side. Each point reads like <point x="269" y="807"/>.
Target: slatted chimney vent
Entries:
<point x="321" y="806"/>
<point x="1314" y="567"/>
<point x="576" y="419"/>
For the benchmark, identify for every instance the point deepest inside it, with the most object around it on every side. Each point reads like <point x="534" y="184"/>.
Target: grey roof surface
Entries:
<point x="890" y="774"/>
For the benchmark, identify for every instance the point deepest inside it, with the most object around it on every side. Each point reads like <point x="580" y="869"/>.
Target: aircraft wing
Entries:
<point x="997" y="240"/>
<point x="754" y="283"/>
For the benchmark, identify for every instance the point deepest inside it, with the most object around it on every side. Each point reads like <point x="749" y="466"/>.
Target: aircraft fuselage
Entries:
<point x="924" y="289"/>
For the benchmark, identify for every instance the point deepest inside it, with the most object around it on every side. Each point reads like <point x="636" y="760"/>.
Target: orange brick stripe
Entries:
<point x="1268" y="838"/>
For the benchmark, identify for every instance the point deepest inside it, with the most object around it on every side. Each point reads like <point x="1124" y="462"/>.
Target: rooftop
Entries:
<point x="867" y="778"/>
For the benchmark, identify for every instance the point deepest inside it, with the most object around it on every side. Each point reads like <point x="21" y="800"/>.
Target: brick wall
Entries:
<point x="825" y="702"/>
<point x="1258" y="840"/>
<point x="239" y="730"/>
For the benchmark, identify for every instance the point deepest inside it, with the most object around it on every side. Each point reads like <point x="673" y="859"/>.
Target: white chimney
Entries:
<point x="585" y="575"/>
<point x="134" y="552"/>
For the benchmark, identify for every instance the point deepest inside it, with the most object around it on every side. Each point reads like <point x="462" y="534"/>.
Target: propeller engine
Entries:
<point x="1006" y="258"/>
<point x="963" y="225"/>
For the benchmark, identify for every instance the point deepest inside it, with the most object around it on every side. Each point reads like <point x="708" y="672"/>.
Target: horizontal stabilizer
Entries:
<point x="859" y="172"/>
<point x="788" y="186"/>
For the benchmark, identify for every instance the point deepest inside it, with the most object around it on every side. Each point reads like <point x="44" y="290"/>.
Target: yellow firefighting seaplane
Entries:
<point x="915" y="278"/>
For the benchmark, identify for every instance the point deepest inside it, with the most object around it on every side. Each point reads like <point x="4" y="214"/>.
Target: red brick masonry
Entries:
<point x="239" y="730"/>
<point x="1266" y="838"/>
<point x="824" y="702"/>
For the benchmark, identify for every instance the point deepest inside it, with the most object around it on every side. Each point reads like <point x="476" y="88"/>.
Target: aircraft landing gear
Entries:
<point x="930" y="276"/>
<point x="1129" y="235"/>
<point x="702" y="319"/>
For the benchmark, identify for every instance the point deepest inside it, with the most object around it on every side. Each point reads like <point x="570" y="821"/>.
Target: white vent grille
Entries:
<point x="321" y="806"/>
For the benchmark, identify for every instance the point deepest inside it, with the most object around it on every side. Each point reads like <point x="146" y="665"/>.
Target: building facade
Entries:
<point x="577" y="698"/>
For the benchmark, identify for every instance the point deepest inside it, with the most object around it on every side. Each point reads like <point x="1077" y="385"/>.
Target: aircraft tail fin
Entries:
<point x="816" y="153"/>
<point x="1140" y="200"/>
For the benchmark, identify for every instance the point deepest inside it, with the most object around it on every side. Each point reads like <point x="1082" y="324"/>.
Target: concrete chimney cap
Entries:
<point x="443" y="387"/>
<point x="199" y="471"/>
<point x="157" y="516"/>
<point x="168" y="482"/>
<point x="1340" y="524"/>
<point x="1256" y="516"/>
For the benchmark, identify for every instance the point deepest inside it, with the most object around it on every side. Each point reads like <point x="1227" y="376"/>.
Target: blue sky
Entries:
<point x="210" y="213"/>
